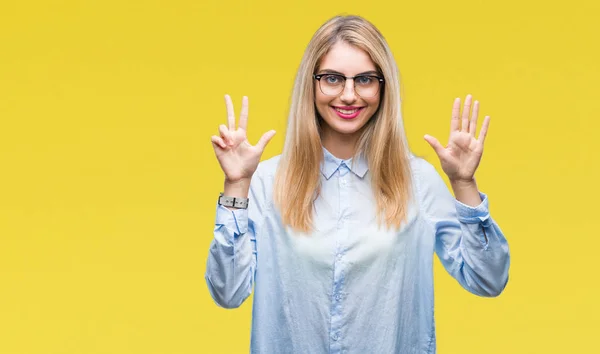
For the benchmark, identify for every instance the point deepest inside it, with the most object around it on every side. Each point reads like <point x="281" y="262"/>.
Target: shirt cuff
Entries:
<point x="474" y="215"/>
<point x="234" y="220"/>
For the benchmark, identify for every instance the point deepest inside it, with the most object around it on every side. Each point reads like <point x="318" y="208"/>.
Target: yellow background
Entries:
<point x="108" y="180"/>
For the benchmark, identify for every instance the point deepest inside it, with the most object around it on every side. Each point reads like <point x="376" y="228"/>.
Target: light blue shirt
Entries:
<point x="351" y="287"/>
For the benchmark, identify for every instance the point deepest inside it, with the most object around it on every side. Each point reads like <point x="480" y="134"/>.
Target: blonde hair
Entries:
<point x="382" y="142"/>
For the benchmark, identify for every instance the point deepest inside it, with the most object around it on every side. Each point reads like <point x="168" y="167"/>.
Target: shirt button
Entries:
<point x="338" y="297"/>
<point x="335" y="336"/>
<point x="339" y="257"/>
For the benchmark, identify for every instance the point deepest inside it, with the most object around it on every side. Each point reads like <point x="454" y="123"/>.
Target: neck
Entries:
<point x="342" y="146"/>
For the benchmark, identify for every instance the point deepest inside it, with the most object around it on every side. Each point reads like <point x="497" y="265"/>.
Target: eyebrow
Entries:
<point x="329" y="71"/>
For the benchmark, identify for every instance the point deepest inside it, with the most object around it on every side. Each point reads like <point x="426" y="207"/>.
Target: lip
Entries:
<point x="347" y="116"/>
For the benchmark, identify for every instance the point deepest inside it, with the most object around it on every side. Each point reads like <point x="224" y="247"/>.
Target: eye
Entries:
<point x="364" y="80"/>
<point x="332" y="79"/>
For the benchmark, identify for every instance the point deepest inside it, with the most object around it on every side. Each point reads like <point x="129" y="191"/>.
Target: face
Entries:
<point x="345" y="114"/>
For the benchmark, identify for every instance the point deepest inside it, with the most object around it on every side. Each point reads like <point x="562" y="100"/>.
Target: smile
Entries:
<point x="347" y="113"/>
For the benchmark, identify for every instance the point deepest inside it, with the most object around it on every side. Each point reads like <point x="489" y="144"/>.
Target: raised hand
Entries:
<point x="237" y="157"/>
<point x="461" y="156"/>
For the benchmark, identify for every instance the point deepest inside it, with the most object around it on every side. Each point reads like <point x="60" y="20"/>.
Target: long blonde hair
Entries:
<point x="382" y="142"/>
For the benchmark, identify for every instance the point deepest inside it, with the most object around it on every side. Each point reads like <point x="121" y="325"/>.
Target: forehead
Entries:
<point x="347" y="59"/>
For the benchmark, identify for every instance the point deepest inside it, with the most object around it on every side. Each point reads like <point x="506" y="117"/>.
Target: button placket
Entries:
<point x="337" y="318"/>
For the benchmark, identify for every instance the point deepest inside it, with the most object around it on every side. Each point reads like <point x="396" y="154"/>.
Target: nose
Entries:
<point x="348" y="94"/>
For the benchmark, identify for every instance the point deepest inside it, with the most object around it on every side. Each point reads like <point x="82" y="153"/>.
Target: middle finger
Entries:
<point x="465" y="114"/>
<point x="473" y="124"/>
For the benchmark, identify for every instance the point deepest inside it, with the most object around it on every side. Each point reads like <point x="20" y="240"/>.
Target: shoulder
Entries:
<point x="427" y="181"/>
<point x="421" y="169"/>
<point x="261" y="187"/>
<point x="268" y="167"/>
<point x="265" y="172"/>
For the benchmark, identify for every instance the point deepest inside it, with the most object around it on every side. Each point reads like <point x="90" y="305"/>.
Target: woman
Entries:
<point x="338" y="235"/>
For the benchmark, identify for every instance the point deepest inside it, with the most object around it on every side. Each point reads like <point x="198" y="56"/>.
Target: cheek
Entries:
<point x="319" y="97"/>
<point x="322" y="103"/>
<point x="373" y="105"/>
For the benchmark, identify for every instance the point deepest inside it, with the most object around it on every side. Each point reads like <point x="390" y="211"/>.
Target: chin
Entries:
<point x="348" y="128"/>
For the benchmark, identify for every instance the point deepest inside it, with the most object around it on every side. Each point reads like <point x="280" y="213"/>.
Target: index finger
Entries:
<point x="244" y="114"/>
<point x="230" y="113"/>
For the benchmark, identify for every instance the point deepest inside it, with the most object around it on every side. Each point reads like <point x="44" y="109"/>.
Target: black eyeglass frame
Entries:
<point x="319" y="76"/>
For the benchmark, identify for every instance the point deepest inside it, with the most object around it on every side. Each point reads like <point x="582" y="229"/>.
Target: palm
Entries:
<point x="462" y="155"/>
<point x="237" y="157"/>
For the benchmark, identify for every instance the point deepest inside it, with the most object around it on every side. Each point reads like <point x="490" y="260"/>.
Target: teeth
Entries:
<point x="343" y="111"/>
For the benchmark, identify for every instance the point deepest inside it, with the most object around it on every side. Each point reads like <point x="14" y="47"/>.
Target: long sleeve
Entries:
<point x="468" y="241"/>
<point x="232" y="258"/>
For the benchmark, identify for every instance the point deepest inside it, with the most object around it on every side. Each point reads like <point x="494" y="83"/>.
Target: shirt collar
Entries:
<point x="330" y="164"/>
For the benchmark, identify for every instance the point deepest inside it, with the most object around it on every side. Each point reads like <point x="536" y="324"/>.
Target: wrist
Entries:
<point x="466" y="192"/>
<point x="463" y="183"/>
<point x="237" y="189"/>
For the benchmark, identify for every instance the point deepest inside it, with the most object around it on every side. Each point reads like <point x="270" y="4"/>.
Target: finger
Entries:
<point x="244" y="114"/>
<point x="484" y="129"/>
<point x="264" y="140"/>
<point x="218" y="141"/>
<point x="435" y="144"/>
<point x="454" y="123"/>
<point x="465" y="114"/>
<point x="230" y="113"/>
<point x="473" y="124"/>
<point x="225" y="134"/>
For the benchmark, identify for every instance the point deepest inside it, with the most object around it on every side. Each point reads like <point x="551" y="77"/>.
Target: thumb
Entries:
<point x="264" y="140"/>
<point x="435" y="144"/>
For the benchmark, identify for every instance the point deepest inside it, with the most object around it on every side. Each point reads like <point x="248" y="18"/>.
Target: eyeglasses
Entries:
<point x="364" y="85"/>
